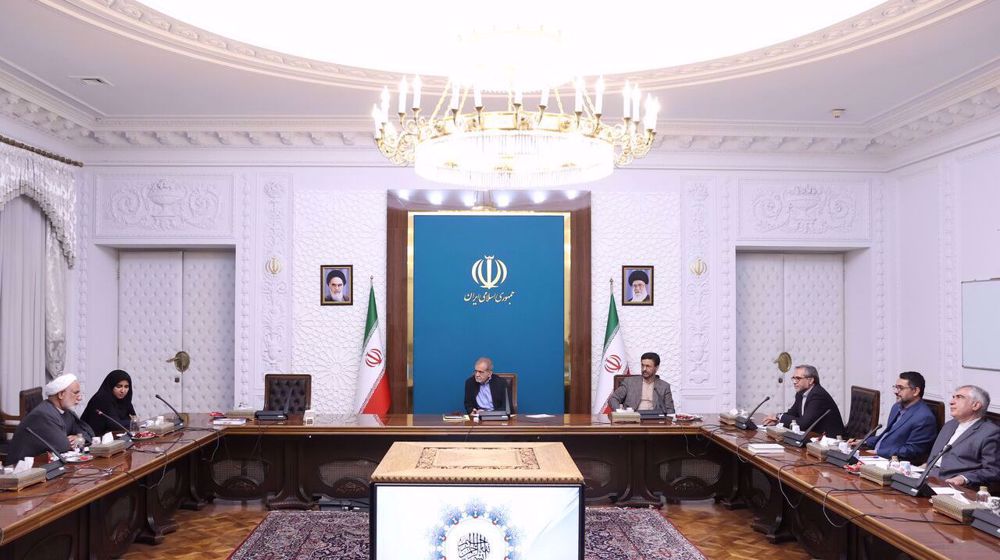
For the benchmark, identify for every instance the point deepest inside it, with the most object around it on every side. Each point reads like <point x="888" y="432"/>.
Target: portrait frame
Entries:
<point x="630" y="269"/>
<point x="347" y="271"/>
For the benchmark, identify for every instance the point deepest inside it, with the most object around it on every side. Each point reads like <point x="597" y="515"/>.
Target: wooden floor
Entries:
<point x="217" y="530"/>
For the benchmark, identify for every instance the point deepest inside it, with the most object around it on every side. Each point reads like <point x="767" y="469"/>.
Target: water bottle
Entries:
<point x="794" y="426"/>
<point x="983" y="496"/>
<point x="894" y="464"/>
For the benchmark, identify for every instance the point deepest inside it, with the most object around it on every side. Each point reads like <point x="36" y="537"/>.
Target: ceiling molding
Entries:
<point x="924" y="119"/>
<point x="139" y="22"/>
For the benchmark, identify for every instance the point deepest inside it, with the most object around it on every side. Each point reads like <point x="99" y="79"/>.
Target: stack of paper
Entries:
<point x="766" y="448"/>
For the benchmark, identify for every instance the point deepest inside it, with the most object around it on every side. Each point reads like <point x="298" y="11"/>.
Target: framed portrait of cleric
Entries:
<point x="336" y="282"/>
<point x="637" y="284"/>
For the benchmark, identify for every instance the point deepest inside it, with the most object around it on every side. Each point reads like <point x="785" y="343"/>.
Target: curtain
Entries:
<point x="37" y="245"/>
<point x="23" y="231"/>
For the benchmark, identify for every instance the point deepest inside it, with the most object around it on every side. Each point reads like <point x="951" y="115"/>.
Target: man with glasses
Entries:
<point x="974" y="458"/>
<point x="811" y="402"/>
<point x="912" y="426"/>
<point x="483" y="390"/>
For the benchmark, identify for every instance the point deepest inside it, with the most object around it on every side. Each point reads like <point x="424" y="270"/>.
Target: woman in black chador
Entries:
<point x="114" y="399"/>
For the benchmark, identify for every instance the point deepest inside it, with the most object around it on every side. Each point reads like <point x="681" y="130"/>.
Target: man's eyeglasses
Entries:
<point x="798" y="377"/>
<point x="481" y="371"/>
<point x="900" y="388"/>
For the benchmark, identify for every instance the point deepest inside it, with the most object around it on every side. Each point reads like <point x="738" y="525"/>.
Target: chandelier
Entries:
<point x="526" y="137"/>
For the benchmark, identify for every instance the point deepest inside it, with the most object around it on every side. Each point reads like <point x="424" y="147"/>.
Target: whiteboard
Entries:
<point x="981" y="324"/>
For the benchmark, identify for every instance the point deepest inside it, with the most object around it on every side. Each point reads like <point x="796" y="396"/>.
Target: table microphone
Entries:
<point x="128" y="437"/>
<point x="800" y="440"/>
<point x="55" y="467"/>
<point x="179" y="423"/>
<point x="838" y="458"/>
<point x="906" y="484"/>
<point x="747" y="423"/>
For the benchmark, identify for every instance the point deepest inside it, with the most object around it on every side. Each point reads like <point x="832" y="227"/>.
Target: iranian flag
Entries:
<point x="614" y="360"/>
<point x="372" y="391"/>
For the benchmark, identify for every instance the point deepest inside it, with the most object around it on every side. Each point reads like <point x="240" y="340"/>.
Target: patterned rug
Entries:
<point x="619" y="534"/>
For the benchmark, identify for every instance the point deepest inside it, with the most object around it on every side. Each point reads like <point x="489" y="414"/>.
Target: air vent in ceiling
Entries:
<point x="92" y="80"/>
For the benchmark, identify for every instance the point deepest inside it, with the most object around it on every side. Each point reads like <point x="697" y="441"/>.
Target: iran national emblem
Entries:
<point x="613" y="364"/>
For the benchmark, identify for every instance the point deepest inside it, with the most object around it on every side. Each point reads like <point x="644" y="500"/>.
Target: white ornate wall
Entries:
<point x="284" y="223"/>
<point x="639" y="228"/>
<point x="948" y="232"/>
<point x="335" y="226"/>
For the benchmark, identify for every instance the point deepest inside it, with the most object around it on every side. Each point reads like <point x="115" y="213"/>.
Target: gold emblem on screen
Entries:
<point x="489" y="272"/>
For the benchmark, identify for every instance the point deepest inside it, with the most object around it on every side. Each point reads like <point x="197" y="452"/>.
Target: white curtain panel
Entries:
<point x="55" y="305"/>
<point x="37" y="244"/>
<point x="49" y="183"/>
<point x="23" y="230"/>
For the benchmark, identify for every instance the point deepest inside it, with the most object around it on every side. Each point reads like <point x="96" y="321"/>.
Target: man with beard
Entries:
<point x="912" y="426"/>
<point x="53" y="420"/>
<point x="639" y="281"/>
<point x="811" y="402"/>
<point x="645" y="392"/>
<point x="335" y="281"/>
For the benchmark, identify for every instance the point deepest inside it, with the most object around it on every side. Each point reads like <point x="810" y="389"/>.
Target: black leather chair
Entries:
<point x="865" y="411"/>
<point x="511" y="379"/>
<point x="280" y="387"/>
<point x="27" y="400"/>
<point x="937" y="407"/>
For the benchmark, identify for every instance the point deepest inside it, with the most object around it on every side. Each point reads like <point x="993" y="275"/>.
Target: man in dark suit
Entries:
<point x="811" y="401"/>
<point x="483" y="390"/>
<point x="912" y="426"/>
<point x="974" y="458"/>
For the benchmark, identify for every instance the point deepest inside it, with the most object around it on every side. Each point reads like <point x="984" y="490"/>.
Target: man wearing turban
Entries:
<point x="639" y="281"/>
<point x="336" y="281"/>
<point x="53" y="421"/>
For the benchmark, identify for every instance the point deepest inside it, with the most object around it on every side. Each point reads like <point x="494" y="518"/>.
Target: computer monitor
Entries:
<point x="476" y="521"/>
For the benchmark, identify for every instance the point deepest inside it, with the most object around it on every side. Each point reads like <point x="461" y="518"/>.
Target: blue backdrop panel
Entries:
<point x="510" y="308"/>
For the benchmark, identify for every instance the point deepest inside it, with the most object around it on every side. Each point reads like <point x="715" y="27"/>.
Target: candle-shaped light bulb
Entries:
<point x="599" y="96"/>
<point x="477" y="96"/>
<point x="544" y="99"/>
<point x="648" y="117"/>
<point x="385" y="100"/>
<point x="402" y="95"/>
<point x="578" y="100"/>
<point x="454" y="96"/>
<point x="626" y="100"/>
<point x="416" y="92"/>
<point x="518" y="96"/>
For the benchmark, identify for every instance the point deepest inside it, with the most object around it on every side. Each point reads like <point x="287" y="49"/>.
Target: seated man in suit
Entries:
<point x="912" y="425"/>
<point x="974" y="458"/>
<point x="645" y="392"/>
<point x="53" y="420"/>
<point x="483" y="390"/>
<point x="811" y="401"/>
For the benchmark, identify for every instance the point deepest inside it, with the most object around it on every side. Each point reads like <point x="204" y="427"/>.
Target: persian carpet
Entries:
<point x="611" y="533"/>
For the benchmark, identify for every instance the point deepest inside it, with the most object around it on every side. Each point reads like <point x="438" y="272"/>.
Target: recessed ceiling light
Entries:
<point x="837" y="113"/>
<point x="435" y="198"/>
<point x="502" y="200"/>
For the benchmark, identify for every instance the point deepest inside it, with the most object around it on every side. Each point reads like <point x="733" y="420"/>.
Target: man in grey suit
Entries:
<point x="974" y="458"/>
<point x="646" y="392"/>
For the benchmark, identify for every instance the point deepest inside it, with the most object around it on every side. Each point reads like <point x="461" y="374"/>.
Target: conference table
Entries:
<point x="98" y="508"/>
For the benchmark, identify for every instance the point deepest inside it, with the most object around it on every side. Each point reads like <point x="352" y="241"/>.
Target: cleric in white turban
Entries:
<point x="53" y="421"/>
